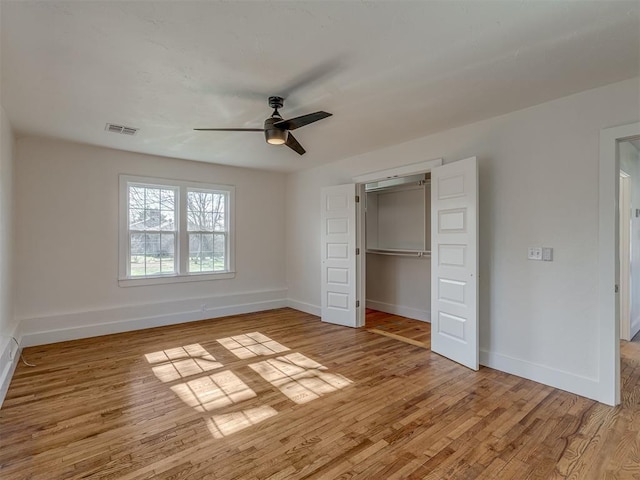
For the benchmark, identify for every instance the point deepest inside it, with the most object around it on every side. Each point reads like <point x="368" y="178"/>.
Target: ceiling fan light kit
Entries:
<point x="276" y="129"/>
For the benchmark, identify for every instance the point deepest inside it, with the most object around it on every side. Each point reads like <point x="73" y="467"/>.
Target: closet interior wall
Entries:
<point x="398" y="272"/>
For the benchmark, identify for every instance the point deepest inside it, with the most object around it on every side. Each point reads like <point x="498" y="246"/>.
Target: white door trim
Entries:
<point x="625" y="262"/>
<point x="608" y="253"/>
<point x="401" y="171"/>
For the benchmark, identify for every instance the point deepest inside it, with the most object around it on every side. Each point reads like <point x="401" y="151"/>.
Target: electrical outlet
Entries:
<point x="534" y="253"/>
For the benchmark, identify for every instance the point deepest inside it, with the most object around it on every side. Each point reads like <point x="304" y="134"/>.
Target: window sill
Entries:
<point x="193" y="277"/>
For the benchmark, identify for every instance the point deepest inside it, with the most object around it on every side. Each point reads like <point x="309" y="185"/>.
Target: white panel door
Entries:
<point x="454" y="261"/>
<point x="338" y="256"/>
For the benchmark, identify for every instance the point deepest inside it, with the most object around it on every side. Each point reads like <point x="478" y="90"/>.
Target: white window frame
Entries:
<point x="182" y="240"/>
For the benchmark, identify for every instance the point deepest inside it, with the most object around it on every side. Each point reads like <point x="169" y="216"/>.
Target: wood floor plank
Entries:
<point x="220" y="399"/>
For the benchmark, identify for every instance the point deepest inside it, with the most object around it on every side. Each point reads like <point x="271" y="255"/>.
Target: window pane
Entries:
<point x="167" y="221"/>
<point x="205" y="211"/>
<point x="206" y="242"/>
<point x="196" y="221"/>
<point x="219" y="252"/>
<point x="136" y="197"/>
<point x="167" y="242"/>
<point x="136" y="219"/>
<point x="137" y="244"/>
<point x="168" y="265"/>
<point x="137" y="263"/>
<point x="167" y="200"/>
<point x="152" y="254"/>
<point x="152" y="265"/>
<point x="201" y="252"/>
<point x="152" y="244"/>
<point x="152" y="201"/>
<point x="207" y="222"/>
<point x="194" y="252"/>
<point x="217" y="204"/>
<point x="218" y="221"/>
<point x="152" y="208"/>
<point x="152" y="220"/>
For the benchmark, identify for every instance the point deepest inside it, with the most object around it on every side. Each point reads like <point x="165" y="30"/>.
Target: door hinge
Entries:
<point x="357" y="251"/>
<point x="357" y="198"/>
<point x="357" y="303"/>
<point x="617" y="289"/>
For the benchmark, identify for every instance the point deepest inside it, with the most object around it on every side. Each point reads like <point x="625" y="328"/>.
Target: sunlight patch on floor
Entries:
<point x="250" y="345"/>
<point x="228" y="423"/>
<point x="298" y="377"/>
<point x="213" y="391"/>
<point x="181" y="362"/>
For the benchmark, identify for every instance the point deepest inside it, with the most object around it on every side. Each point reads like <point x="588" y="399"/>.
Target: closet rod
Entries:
<point x="425" y="254"/>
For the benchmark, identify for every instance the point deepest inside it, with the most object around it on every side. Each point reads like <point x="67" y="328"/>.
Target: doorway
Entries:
<point x="397" y="254"/>
<point x="609" y="260"/>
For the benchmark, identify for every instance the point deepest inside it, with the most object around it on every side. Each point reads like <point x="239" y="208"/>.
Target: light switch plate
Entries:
<point x="547" y="254"/>
<point x="534" y="253"/>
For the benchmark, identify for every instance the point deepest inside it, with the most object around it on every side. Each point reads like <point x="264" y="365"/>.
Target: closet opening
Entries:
<point x="404" y="226"/>
<point x="397" y="230"/>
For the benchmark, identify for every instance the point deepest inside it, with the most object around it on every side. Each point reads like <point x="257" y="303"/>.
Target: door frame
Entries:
<point x="608" y="261"/>
<point x="361" y="181"/>
<point x="625" y="263"/>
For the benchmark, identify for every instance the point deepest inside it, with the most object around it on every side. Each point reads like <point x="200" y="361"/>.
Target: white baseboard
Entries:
<point x="304" y="307"/>
<point x="584" y="386"/>
<point x="76" y="325"/>
<point x="408" y="312"/>
<point x="9" y="357"/>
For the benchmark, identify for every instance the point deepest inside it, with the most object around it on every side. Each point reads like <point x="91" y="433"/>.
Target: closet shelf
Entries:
<point x="400" y="252"/>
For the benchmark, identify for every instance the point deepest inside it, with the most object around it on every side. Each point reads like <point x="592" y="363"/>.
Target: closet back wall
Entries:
<point x="399" y="285"/>
<point x="67" y="243"/>
<point x="398" y="218"/>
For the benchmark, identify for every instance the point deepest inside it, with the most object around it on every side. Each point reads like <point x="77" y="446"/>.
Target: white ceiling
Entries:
<point x="388" y="71"/>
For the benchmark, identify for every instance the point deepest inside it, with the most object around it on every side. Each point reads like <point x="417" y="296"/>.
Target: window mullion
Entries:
<point x="182" y="236"/>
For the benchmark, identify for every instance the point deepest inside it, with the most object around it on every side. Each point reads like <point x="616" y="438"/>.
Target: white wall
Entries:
<point x="7" y="319"/>
<point x="630" y="163"/>
<point x="538" y="172"/>
<point x="66" y="248"/>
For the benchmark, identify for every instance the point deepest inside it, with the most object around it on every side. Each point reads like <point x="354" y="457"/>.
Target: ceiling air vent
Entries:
<point x="113" y="128"/>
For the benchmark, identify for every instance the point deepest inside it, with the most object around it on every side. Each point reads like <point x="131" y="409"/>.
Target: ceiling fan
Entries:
<point x="277" y="131"/>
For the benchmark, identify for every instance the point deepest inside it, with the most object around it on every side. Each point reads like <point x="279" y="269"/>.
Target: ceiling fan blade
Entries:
<point x="298" y="122"/>
<point x="230" y="129"/>
<point x="293" y="144"/>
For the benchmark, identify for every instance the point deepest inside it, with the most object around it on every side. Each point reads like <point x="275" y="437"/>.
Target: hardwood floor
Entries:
<point x="404" y="329"/>
<point x="280" y="394"/>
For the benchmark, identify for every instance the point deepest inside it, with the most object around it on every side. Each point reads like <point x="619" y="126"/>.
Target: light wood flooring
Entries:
<point x="281" y="395"/>
<point x="414" y="332"/>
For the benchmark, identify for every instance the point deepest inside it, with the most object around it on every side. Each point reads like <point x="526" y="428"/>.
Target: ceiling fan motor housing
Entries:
<point x="276" y="102"/>
<point x="274" y="135"/>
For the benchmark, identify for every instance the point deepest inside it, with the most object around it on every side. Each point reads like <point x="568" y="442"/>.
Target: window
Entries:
<point x="174" y="231"/>
<point x="206" y="230"/>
